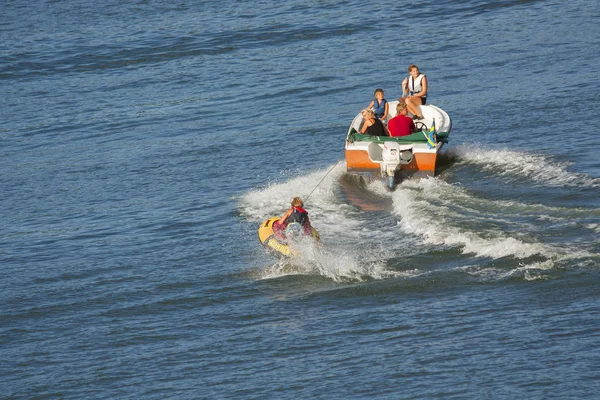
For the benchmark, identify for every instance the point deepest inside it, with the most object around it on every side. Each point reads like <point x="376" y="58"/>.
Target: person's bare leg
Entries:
<point x="414" y="106"/>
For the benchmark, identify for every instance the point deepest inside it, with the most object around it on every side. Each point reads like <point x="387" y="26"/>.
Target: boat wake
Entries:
<point x="429" y="226"/>
<point x="507" y="238"/>
<point x="446" y="215"/>
<point x="538" y="168"/>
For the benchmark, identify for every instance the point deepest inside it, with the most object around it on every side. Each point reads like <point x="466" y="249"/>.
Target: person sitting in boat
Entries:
<point x="295" y="220"/>
<point x="379" y="105"/>
<point x="401" y="124"/>
<point x="414" y="88"/>
<point x="372" y="125"/>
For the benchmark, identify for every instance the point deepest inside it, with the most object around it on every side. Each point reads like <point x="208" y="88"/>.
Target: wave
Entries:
<point x="317" y="189"/>
<point x="541" y="169"/>
<point x="341" y="267"/>
<point x="442" y="224"/>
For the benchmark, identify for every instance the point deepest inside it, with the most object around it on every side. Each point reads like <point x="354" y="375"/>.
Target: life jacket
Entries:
<point x="299" y="215"/>
<point x="379" y="108"/>
<point x="414" y="85"/>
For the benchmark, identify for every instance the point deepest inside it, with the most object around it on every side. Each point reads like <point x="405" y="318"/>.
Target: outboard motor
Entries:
<point x="393" y="155"/>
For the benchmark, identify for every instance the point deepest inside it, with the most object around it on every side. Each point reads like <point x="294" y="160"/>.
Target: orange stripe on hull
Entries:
<point x="359" y="160"/>
<point x="423" y="163"/>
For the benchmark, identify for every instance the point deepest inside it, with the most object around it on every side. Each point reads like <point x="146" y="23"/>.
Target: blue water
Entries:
<point x="142" y="143"/>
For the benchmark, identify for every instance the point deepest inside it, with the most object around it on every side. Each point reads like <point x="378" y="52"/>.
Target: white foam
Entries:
<point x="339" y="225"/>
<point x="378" y="188"/>
<point x="594" y="227"/>
<point x="428" y="213"/>
<point x="425" y="212"/>
<point x="339" y="266"/>
<point x="535" y="271"/>
<point x="538" y="168"/>
<point x="274" y="199"/>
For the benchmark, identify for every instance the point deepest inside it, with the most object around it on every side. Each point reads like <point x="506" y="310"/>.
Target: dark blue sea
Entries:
<point x="143" y="142"/>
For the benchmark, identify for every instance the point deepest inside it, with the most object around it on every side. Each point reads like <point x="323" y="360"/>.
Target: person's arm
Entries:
<point x="364" y="127"/>
<point x="404" y="86"/>
<point x="371" y="104"/>
<point x="283" y="219"/>
<point x="385" y="113"/>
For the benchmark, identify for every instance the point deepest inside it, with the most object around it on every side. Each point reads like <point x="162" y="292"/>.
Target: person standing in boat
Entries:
<point x="295" y="217"/>
<point x="372" y="125"/>
<point x="401" y="124"/>
<point x="414" y="88"/>
<point x="379" y="105"/>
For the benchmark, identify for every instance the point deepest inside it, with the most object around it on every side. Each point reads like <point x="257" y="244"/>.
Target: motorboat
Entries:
<point x="398" y="158"/>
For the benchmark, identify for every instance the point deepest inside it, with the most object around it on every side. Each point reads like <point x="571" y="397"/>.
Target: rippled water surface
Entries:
<point x="142" y="143"/>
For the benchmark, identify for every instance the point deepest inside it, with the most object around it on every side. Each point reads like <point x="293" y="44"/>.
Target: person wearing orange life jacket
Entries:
<point x="296" y="215"/>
